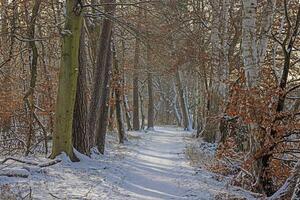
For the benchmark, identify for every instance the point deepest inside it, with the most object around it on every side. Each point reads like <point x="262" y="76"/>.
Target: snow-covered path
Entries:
<point x="151" y="167"/>
<point x="159" y="169"/>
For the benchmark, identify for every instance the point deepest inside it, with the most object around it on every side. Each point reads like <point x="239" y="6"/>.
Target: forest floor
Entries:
<point x="151" y="165"/>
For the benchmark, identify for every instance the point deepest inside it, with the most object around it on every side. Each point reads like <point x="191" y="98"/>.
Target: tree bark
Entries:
<point x="183" y="106"/>
<point x="80" y="136"/>
<point x="62" y="138"/>
<point x="265" y="28"/>
<point x="7" y="37"/>
<point x="150" y="94"/>
<point x="136" y="119"/>
<point x="175" y="107"/>
<point x="29" y="96"/>
<point x="103" y="51"/>
<point x="118" y="94"/>
<point x="127" y="112"/>
<point x="142" y="110"/>
<point x="104" y="104"/>
<point x="249" y="46"/>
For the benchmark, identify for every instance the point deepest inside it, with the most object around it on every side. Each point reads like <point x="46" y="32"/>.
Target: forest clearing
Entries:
<point x="150" y="99"/>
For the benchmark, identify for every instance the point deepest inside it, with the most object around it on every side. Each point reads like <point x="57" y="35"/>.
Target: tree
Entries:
<point x="98" y="84"/>
<point x="135" y="83"/>
<point x="118" y="95"/>
<point x="80" y="135"/>
<point x="150" y="93"/>
<point x="62" y="138"/>
<point x="104" y="103"/>
<point x="249" y="44"/>
<point x="29" y="96"/>
<point x="185" y="115"/>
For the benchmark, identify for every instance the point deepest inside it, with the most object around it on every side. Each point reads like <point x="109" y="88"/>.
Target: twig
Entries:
<point x="56" y="197"/>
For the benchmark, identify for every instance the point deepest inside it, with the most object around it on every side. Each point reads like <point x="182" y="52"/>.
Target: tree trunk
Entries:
<point x="124" y="96"/>
<point x="121" y="129"/>
<point x="29" y="96"/>
<point x="4" y="21"/>
<point x="251" y="69"/>
<point x="6" y="85"/>
<point x="175" y="107"/>
<point x="118" y="96"/>
<point x="142" y="110"/>
<point x="127" y="113"/>
<point x="104" y="104"/>
<point x="249" y="45"/>
<point x="80" y="135"/>
<point x="183" y="106"/>
<point x="112" y="105"/>
<point x="150" y="103"/>
<point x="150" y="94"/>
<point x="224" y="58"/>
<point x="99" y="72"/>
<point x="265" y="28"/>
<point x="136" y="120"/>
<point x="62" y="139"/>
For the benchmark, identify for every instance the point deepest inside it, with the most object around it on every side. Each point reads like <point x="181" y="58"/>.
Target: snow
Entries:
<point x="150" y="165"/>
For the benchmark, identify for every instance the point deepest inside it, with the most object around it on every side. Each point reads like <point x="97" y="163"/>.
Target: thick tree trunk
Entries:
<point x="224" y="58"/>
<point x="185" y="115"/>
<point x="99" y="72"/>
<point x="4" y="21"/>
<point x="216" y="43"/>
<point x="251" y="69"/>
<point x="6" y="57"/>
<point x="104" y="104"/>
<point x="62" y="139"/>
<point x="265" y="28"/>
<point x="249" y="40"/>
<point x="80" y="135"/>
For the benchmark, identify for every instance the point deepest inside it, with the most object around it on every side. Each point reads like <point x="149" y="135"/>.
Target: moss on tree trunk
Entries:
<point x="62" y="140"/>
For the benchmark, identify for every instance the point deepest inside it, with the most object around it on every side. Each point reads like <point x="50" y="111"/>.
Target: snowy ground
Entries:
<point x="151" y="166"/>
